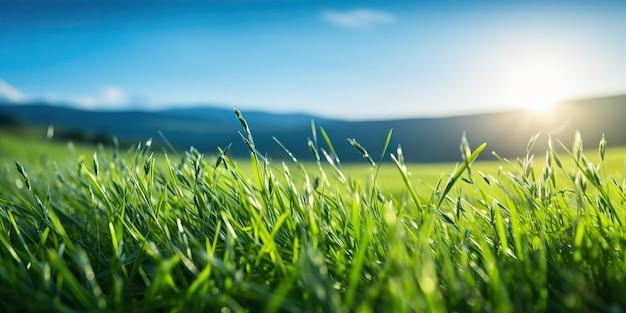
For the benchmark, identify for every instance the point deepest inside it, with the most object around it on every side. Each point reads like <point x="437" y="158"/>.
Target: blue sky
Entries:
<point x="347" y="59"/>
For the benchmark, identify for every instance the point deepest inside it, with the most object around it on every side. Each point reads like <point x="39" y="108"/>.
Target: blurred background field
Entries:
<point x="34" y="148"/>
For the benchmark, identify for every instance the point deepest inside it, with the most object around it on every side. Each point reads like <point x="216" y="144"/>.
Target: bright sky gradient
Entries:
<point x="346" y="59"/>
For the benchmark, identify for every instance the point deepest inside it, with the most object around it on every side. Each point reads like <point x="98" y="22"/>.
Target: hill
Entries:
<point x="423" y="139"/>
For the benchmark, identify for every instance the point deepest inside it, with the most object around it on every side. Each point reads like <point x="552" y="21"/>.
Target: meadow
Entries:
<point x="89" y="229"/>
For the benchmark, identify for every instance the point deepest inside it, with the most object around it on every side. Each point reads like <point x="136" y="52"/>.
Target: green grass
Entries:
<point x="141" y="231"/>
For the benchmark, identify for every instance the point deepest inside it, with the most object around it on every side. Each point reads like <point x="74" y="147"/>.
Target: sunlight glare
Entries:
<point x="538" y="87"/>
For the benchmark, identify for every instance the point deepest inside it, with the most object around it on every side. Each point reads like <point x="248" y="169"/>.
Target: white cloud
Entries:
<point x="51" y="98"/>
<point x="359" y="18"/>
<point x="113" y="95"/>
<point x="10" y="93"/>
<point x="86" y="102"/>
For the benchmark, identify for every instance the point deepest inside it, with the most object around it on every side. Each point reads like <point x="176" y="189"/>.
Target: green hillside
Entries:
<point x="425" y="140"/>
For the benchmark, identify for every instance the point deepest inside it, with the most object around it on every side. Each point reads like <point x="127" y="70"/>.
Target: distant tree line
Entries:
<point x="82" y="136"/>
<point x="10" y="122"/>
<point x="7" y="120"/>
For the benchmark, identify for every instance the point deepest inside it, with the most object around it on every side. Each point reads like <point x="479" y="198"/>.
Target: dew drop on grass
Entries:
<point x="19" y="183"/>
<point x="471" y="302"/>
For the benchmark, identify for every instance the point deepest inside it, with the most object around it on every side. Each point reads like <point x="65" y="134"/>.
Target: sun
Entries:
<point x="538" y="87"/>
<point x="542" y="106"/>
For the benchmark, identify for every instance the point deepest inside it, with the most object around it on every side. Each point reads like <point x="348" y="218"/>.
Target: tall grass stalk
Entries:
<point x="145" y="232"/>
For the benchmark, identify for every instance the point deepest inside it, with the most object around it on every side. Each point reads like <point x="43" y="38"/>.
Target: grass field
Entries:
<point x="88" y="229"/>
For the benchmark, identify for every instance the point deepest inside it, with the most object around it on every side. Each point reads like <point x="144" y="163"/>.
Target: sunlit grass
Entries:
<point x="137" y="230"/>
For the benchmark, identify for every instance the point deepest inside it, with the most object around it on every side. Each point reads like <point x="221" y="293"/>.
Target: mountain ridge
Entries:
<point x="427" y="139"/>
